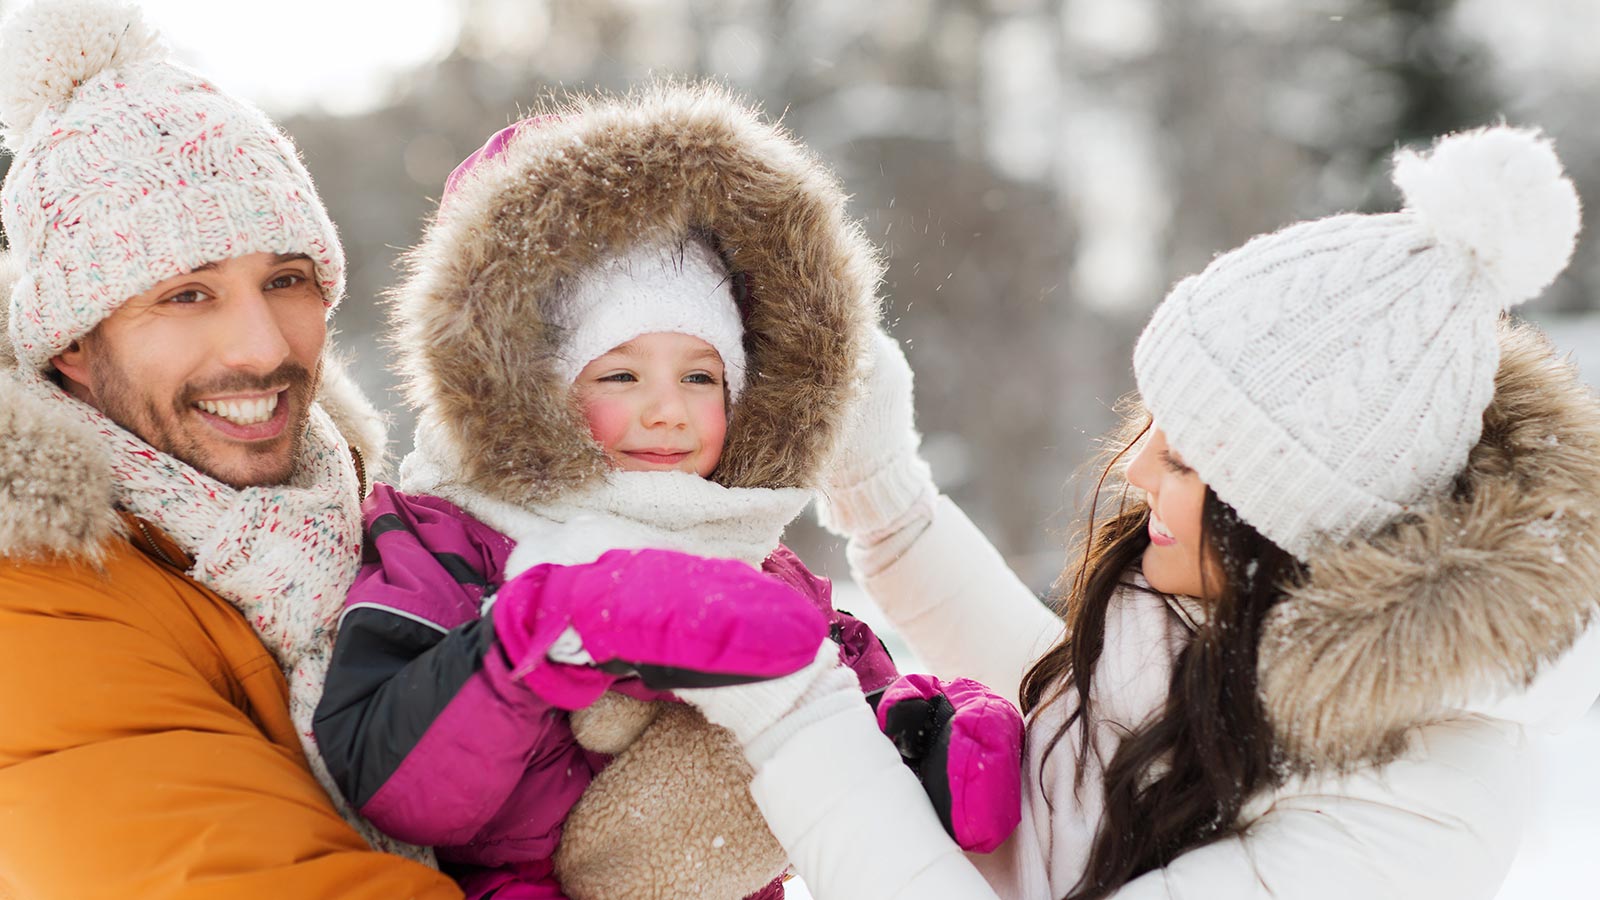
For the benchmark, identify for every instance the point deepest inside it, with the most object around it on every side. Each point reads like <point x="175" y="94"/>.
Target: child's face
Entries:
<point x="657" y="403"/>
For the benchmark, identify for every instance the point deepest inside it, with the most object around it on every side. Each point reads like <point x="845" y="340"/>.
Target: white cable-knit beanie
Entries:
<point x="1324" y="377"/>
<point x="653" y="288"/>
<point x="130" y="170"/>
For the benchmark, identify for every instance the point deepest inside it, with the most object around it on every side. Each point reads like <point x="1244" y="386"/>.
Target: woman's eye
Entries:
<point x="285" y="281"/>
<point x="187" y="297"/>
<point x="1175" y="466"/>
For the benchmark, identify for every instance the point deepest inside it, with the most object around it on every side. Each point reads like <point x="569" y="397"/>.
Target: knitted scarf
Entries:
<point x="283" y="555"/>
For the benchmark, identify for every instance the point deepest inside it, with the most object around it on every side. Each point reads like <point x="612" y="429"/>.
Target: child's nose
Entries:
<point x="665" y="407"/>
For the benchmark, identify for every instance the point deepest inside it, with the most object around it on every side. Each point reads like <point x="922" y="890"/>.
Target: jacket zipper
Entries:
<point x="361" y="472"/>
<point x="155" y="548"/>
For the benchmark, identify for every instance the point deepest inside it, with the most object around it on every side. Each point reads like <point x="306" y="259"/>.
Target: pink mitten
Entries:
<point x="671" y="619"/>
<point x="964" y="741"/>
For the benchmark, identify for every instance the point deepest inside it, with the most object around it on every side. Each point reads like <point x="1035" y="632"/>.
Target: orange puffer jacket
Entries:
<point x="146" y="749"/>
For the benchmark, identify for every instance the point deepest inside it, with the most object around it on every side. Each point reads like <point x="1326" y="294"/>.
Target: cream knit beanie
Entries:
<point x="130" y="170"/>
<point x="1323" y="378"/>
<point x="653" y="288"/>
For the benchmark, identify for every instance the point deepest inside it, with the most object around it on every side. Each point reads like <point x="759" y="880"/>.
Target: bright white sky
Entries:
<point x="339" y="55"/>
<point x="303" y="55"/>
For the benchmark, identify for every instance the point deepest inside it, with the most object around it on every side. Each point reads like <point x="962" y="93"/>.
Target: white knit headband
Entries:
<point x="653" y="289"/>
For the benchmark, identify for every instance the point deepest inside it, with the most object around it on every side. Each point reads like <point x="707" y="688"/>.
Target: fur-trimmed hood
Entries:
<point x="55" y="482"/>
<point x="1462" y="604"/>
<point x="590" y="180"/>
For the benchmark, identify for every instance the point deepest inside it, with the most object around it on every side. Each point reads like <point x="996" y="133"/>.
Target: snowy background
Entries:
<point x="1037" y="173"/>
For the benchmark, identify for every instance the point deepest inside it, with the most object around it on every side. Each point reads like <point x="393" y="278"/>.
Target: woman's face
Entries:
<point x="1173" y="561"/>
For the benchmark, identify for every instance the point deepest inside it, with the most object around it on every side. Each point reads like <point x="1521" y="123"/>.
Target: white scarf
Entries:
<point x="283" y="555"/>
<point x="629" y="510"/>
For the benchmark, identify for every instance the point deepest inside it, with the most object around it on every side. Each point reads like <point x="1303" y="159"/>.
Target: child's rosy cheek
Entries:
<point x="608" y="421"/>
<point x="712" y="422"/>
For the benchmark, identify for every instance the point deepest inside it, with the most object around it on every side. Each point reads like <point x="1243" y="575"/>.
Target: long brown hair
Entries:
<point x="1179" y="781"/>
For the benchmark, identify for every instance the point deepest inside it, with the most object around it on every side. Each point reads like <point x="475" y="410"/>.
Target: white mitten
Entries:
<point x="764" y="714"/>
<point x="875" y="478"/>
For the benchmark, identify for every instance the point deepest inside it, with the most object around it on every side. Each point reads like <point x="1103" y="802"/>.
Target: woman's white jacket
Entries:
<point x="1402" y="682"/>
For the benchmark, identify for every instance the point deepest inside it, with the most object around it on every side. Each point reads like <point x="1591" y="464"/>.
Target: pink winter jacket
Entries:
<point x="427" y="732"/>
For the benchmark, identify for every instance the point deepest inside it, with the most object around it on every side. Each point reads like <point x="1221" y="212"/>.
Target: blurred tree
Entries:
<point x="1037" y="173"/>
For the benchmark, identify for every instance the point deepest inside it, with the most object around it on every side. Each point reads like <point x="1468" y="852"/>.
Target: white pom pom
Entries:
<point x="50" y="47"/>
<point x="1500" y="194"/>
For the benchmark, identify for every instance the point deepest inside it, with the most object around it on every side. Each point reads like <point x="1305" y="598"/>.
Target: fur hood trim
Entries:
<point x="587" y="181"/>
<point x="1465" y="601"/>
<point x="55" y="483"/>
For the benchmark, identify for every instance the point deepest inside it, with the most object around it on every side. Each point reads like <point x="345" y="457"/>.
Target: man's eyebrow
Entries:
<point x="277" y="259"/>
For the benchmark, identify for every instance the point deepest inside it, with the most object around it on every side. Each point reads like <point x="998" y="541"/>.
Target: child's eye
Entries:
<point x="701" y="378"/>
<point x="618" y="377"/>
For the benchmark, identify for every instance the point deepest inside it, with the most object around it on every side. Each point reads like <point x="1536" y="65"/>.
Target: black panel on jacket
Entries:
<point x="390" y="679"/>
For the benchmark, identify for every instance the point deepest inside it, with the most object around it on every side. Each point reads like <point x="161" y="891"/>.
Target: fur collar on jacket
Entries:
<point x="55" y="483"/>
<point x="1467" y="599"/>
<point x="591" y="179"/>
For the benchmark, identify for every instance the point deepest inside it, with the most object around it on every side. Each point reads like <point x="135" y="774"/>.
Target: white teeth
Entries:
<point x="241" y="412"/>
<point x="1159" y="527"/>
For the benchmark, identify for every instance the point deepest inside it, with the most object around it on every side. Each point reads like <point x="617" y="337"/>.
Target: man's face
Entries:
<point x="217" y="368"/>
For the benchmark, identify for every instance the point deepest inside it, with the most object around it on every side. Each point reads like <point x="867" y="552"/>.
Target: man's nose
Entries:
<point x="252" y="338"/>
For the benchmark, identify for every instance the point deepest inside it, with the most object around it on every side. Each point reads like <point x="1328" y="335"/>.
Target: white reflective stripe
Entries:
<point x="393" y="612"/>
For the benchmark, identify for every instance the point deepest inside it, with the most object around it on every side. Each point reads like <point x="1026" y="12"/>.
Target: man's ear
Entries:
<point x="73" y="364"/>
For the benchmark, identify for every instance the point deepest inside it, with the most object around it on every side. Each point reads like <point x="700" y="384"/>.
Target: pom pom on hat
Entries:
<point x="48" y="49"/>
<point x="1500" y="194"/>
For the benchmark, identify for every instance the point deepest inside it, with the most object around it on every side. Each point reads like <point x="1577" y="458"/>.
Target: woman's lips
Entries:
<point x="659" y="458"/>
<point x="1158" y="535"/>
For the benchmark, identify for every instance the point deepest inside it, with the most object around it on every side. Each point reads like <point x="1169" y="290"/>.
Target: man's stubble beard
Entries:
<point x="163" y="427"/>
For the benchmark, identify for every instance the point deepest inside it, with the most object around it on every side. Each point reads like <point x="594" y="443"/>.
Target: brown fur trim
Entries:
<point x="672" y="817"/>
<point x="55" y="485"/>
<point x="1472" y="595"/>
<point x="353" y="414"/>
<point x="607" y="173"/>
